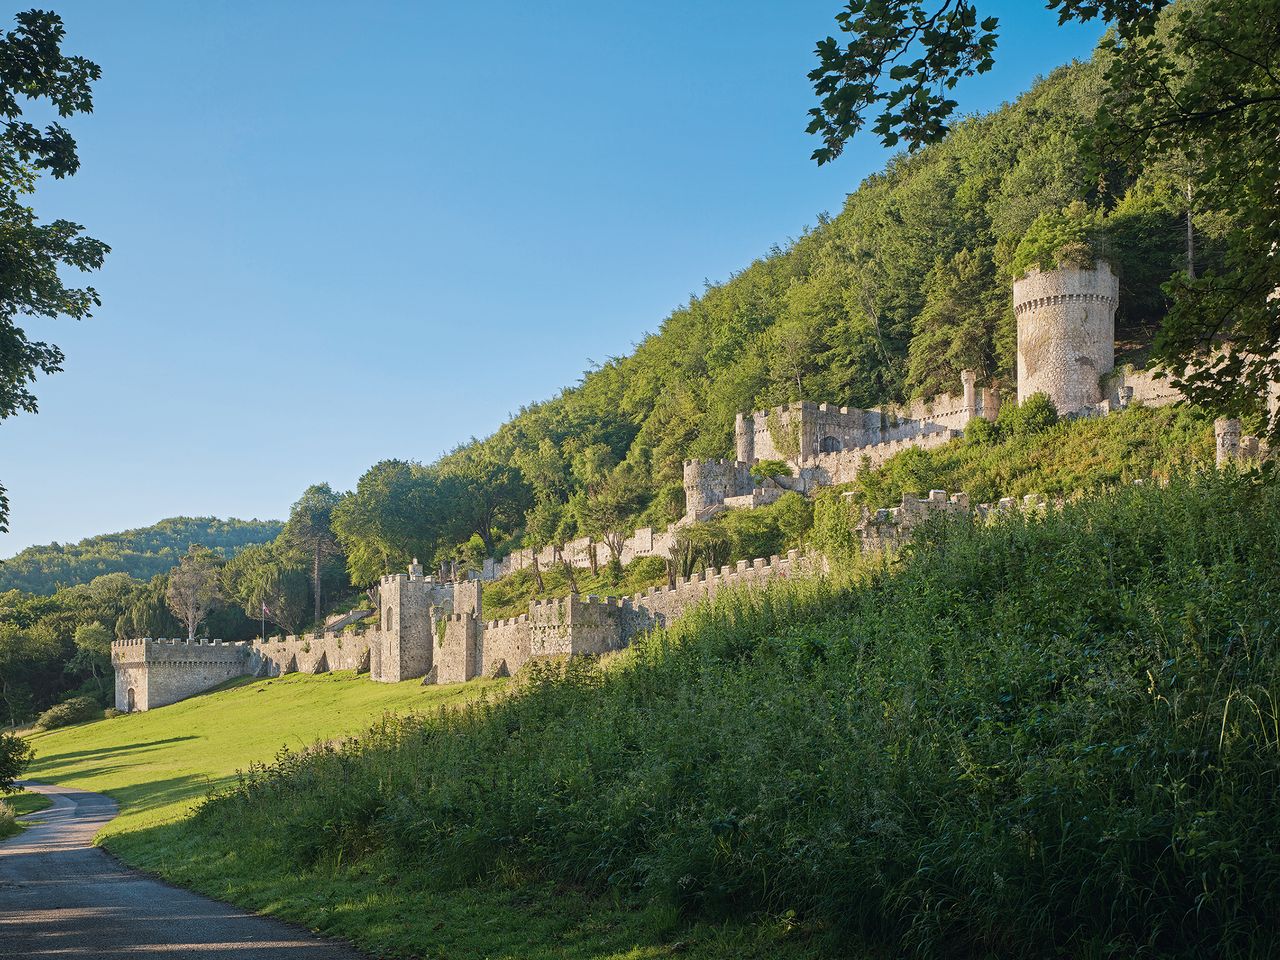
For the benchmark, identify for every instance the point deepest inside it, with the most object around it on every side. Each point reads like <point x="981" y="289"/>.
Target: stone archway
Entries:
<point x="132" y="701"/>
<point x="830" y="445"/>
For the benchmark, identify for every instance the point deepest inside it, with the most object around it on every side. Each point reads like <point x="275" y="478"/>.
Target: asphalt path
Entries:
<point x="62" y="897"/>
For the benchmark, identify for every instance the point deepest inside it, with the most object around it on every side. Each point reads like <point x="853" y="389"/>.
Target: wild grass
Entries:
<point x="1073" y="456"/>
<point x="18" y="805"/>
<point x="1049" y="736"/>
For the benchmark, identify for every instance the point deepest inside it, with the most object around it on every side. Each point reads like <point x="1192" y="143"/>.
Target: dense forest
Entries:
<point x="140" y="553"/>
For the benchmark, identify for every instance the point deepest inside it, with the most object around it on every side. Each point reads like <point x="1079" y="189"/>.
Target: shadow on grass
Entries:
<point x="390" y="908"/>
<point x="63" y="758"/>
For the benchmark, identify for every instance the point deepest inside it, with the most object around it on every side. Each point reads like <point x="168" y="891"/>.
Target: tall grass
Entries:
<point x="1049" y="736"/>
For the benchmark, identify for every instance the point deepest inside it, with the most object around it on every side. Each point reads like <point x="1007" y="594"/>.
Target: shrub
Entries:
<point x="1036" y="414"/>
<point x="15" y="754"/>
<point x="768" y="469"/>
<point x="75" y="710"/>
<point x="111" y="713"/>
<point x="981" y="431"/>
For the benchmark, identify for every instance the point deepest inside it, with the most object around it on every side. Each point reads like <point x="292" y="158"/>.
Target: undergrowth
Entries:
<point x="1052" y="735"/>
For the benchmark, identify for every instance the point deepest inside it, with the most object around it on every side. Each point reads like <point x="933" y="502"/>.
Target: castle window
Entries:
<point x="387" y="620"/>
<point x="830" y="445"/>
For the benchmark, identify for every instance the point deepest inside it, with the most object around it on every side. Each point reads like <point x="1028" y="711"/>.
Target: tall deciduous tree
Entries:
<point x="194" y="588"/>
<point x="310" y="530"/>
<point x="32" y="254"/>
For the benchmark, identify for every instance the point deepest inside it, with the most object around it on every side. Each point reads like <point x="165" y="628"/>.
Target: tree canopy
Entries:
<point x="1189" y="91"/>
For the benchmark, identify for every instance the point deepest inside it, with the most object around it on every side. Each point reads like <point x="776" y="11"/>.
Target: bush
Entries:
<point x="768" y="469"/>
<point x="15" y="754"/>
<point x="75" y="710"/>
<point x="981" y="432"/>
<point x="111" y="712"/>
<point x="1036" y="414"/>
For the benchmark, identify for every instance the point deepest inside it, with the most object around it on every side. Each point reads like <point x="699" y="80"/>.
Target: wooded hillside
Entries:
<point x="141" y="553"/>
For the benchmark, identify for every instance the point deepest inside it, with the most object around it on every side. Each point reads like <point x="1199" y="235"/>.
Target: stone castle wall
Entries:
<point x="154" y="673"/>
<point x="433" y="629"/>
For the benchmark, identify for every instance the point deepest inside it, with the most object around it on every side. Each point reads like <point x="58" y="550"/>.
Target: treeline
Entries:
<point x="58" y="646"/>
<point x="140" y="553"/>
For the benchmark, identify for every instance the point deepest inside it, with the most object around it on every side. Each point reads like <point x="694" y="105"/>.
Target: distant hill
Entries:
<point x="141" y="553"/>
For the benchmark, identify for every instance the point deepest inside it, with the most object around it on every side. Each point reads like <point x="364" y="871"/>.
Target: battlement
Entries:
<point x="1038" y="289"/>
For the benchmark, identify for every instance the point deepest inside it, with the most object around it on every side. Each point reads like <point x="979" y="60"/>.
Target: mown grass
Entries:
<point x="156" y="764"/>
<point x="1050" y="736"/>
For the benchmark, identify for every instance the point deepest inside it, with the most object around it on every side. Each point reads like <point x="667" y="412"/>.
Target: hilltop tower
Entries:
<point x="1066" y="334"/>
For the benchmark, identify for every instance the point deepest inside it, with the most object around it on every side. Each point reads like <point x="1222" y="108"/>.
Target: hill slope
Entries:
<point x="1045" y="736"/>
<point x="141" y="553"/>
<point x="888" y="299"/>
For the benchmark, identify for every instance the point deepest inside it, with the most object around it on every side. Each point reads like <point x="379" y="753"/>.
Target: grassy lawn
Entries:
<point x="155" y="764"/>
<point x="159" y="764"/>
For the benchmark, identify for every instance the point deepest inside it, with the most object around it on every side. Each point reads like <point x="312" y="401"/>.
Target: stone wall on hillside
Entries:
<point x="156" y="672"/>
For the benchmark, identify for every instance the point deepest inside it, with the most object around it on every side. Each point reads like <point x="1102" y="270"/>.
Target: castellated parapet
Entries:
<point x="1066" y="334"/>
<point x="154" y="673"/>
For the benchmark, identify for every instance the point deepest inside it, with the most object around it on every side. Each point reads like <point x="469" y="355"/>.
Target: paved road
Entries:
<point x="62" y="897"/>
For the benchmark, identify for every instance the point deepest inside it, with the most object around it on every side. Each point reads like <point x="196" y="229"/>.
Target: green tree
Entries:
<point x="310" y="531"/>
<point x="193" y="588"/>
<point x="267" y="582"/>
<point x="15" y="754"/>
<point x="93" y="655"/>
<point x="34" y="256"/>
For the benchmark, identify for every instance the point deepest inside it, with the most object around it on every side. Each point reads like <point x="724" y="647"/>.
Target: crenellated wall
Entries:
<point x="156" y="672"/>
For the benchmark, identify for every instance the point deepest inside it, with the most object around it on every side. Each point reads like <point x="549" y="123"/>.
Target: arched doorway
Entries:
<point x="830" y="445"/>
<point x="133" y="703"/>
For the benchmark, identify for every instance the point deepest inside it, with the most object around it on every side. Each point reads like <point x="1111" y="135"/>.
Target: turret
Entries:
<point x="1066" y="334"/>
<point x="744" y="434"/>
<point x="708" y="482"/>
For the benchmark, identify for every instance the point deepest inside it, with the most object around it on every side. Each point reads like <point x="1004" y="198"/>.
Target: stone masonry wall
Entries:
<point x="312" y="653"/>
<point x="160" y="672"/>
<point x="504" y="646"/>
<point x="1066" y="334"/>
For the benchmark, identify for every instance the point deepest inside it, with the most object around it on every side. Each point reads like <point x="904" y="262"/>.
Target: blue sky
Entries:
<point x="346" y="232"/>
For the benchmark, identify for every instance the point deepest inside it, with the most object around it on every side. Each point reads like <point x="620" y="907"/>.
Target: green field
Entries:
<point x="156" y="764"/>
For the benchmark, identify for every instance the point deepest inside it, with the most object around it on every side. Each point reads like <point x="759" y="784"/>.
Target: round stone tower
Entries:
<point x="1066" y="333"/>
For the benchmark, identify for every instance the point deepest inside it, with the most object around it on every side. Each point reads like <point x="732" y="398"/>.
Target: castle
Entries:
<point x="435" y="630"/>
